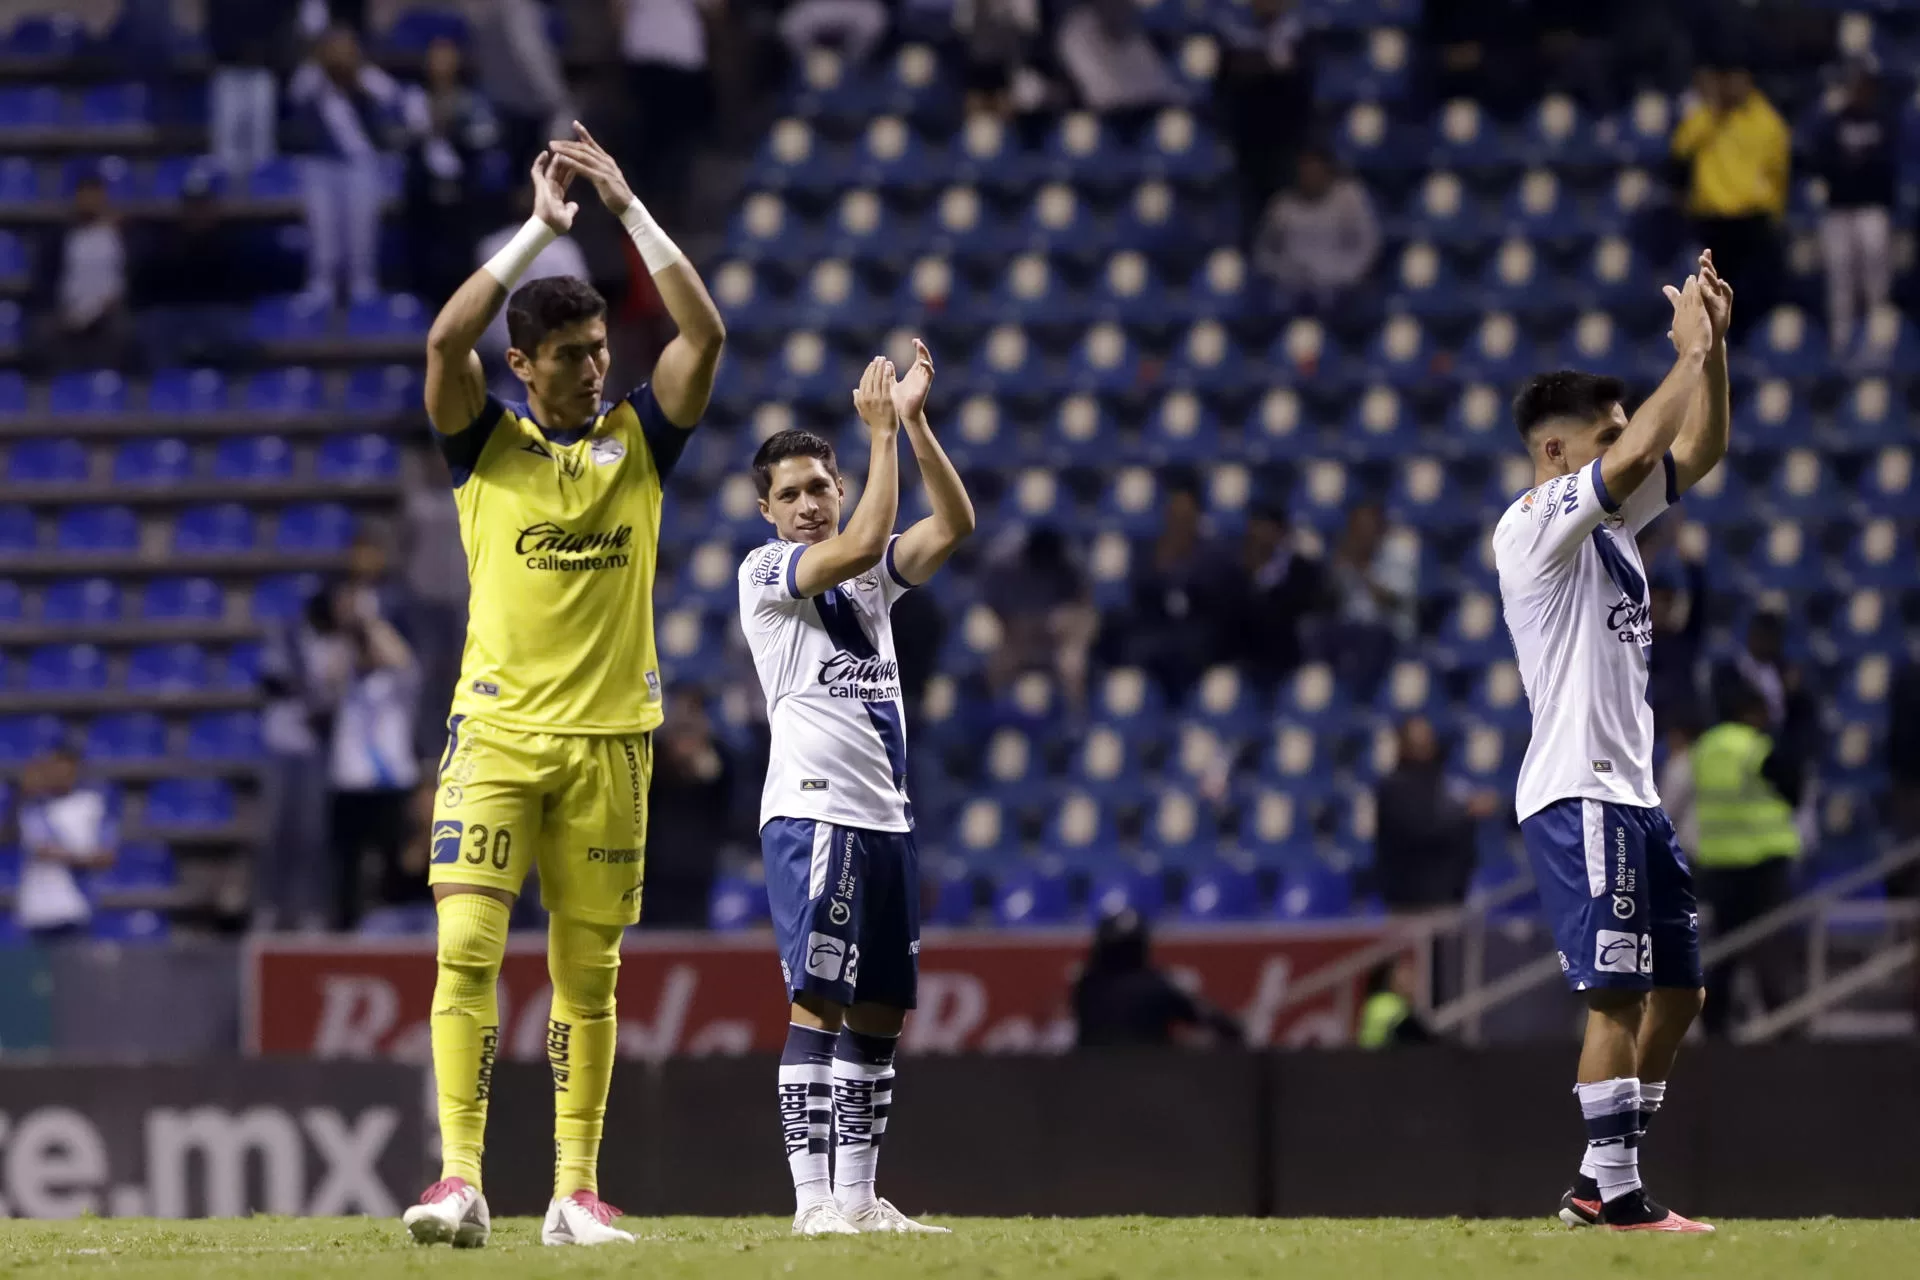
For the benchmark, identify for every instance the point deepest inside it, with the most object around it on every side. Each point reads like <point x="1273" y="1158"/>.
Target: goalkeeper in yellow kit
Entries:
<point x="549" y="750"/>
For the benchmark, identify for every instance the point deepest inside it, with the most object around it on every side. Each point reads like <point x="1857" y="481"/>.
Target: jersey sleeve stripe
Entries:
<point x="1607" y="504"/>
<point x="893" y="570"/>
<point x="793" y="571"/>
<point x="664" y="440"/>
<point x="463" y="448"/>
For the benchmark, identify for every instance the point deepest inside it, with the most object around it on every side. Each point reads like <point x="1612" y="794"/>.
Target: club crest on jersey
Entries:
<point x="606" y="449"/>
<point x="867" y="582"/>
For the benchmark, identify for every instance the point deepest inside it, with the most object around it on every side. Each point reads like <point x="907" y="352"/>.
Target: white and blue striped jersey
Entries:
<point x="1574" y="591"/>
<point x="832" y="684"/>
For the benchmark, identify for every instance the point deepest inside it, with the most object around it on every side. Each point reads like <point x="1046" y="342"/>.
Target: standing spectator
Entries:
<point x="692" y="819"/>
<point x="92" y="324"/>
<point x="855" y="27"/>
<point x="1388" y="1019"/>
<point x="1112" y="63"/>
<point x="1121" y="1001"/>
<point x="1375" y="578"/>
<point x="64" y="828"/>
<point x="1854" y="151"/>
<point x="1737" y="149"/>
<point x="1265" y="91"/>
<point x="1046" y="612"/>
<point x="1172" y="627"/>
<point x="1002" y="45"/>
<point x="189" y="282"/>
<point x="305" y="669"/>
<point x="346" y="113"/>
<point x="452" y="128"/>
<point x="1277" y="590"/>
<point x="670" y="92"/>
<point x="1761" y="665"/>
<point x="372" y="765"/>
<point x="1427" y="826"/>
<point x="1745" y="789"/>
<point x="247" y="39"/>
<point x="518" y="67"/>
<point x="561" y="257"/>
<point x="1319" y="237"/>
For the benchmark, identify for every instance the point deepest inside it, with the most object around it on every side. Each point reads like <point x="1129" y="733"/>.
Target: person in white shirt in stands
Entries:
<point x="64" y="828"/>
<point x="1319" y="237"/>
<point x="1613" y="882"/>
<point x="836" y="825"/>
<point x="346" y="113"/>
<point x="373" y="765"/>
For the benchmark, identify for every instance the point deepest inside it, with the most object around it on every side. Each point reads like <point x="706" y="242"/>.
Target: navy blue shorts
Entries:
<point x="846" y="910"/>
<point x="1617" y="893"/>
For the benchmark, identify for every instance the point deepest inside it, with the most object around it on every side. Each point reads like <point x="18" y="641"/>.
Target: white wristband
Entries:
<point x="656" y="250"/>
<point x="508" y="265"/>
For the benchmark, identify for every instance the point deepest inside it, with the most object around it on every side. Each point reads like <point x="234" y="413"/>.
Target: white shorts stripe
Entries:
<point x="1593" y="838"/>
<point x="822" y="854"/>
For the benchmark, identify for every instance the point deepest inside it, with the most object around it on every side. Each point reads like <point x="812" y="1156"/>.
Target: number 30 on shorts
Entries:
<point x="484" y="844"/>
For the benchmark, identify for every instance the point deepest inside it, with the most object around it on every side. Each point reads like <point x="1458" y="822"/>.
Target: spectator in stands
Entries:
<point x="1761" y="665"/>
<point x="1002" y="46"/>
<point x="190" y="284"/>
<point x="1737" y="149"/>
<point x="516" y="64"/>
<point x="692" y="820"/>
<point x="1121" y="1001"/>
<point x="1045" y="606"/>
<point x="1475" y="43"/>
<point x="92" y="325"/>
<point x="1388" y="1019"/>
<point x="1427" y="826"/>
<point x="1265" y="96"/>
<point x="1854" y="151"/>
<point x="346" y="114"/>
<point x="452" y="127"/>
<point x="1277" y="590"/>
<point x="1319" y="237"/>
<point x="305" y="668"/>
<point x="855" y="27"/>
<point x="248" y="39"/>
<point x="1375" y="578"/>
<point x="1173" y="625"/>
<point x="1112" y="63"/>
<point x="670" y="94"/>
<point x="1745" y="790"/>
<point x="561" y="257"/>
<point x="372" y="763"/>
<point x="65" y="827"/>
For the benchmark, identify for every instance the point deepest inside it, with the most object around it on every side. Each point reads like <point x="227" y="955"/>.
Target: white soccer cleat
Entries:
<point x="880" y="1215"/>
<point x="582" y="1218"/>
<point x="451" y="1211"/>
<point x="822" y="1218"/>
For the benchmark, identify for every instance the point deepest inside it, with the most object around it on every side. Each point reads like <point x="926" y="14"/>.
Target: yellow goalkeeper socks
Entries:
<point x="583" y="963"/>
<point x="466" y="1025"/>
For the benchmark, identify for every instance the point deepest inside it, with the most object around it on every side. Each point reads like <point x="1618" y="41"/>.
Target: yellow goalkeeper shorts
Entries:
<point x="572" y="805"/>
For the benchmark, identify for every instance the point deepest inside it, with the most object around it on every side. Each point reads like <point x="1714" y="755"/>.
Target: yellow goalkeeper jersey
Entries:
<point x="562" y="531"/>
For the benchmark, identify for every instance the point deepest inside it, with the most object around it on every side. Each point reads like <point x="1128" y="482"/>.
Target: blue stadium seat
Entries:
<point x="101" y="392"/>
<point x="1115" y="889"/>
<point x="1869" y="623"/>
<point x="1401" y="355"/>
<point x="736" y="902"/>
<point x="1556" y="131"/>
<point x="1299" y="762"/>
<point x="888" y="155"/>
<point x="1320" y="497"/>
<point x="807" y="371"/>
<point x="1312" y="890"/>
<point x="1128" y="291"/>
<point x="224" y="735"/>
<point x="1221" y="891"/>
<point x="19" y="180"/>
<point x="110" y="106"/>
<point x="1059" y="223"/>
<point x="1466" y="138"/>
<point x="1006" y="363"/>
<point x="1878" y="556"/>
<point x="1643" y="136"/>
<point x="1032" y="293"/>
<point x="864" y="230"/>
<point x="253" y="459"/>
<point x="162" y="460"/>
<point x="12" y="329"/>
<point x="59" y="461"/>
<point x="1106" y="767"/>
<point x="172" y="174"/>
<point x="1499" y="698"/>
<point x="52" y="35"/>
<point x="1614" y="274"/>
<point x="24" y="737"/>
<point x="1888" y="485"/>
<point x="136" y="867"/>
<point x="127" y="735"/>
<point x="218" y="529"/>
<point x="81" y="600"/>
<point x="1210" y="361"/>
<point x="187" y="391"/>
<point x="242" y="667"/>
<point x="183" y="599"/>
<point x="1182" y="428"/>
<point x="1181" y="828"/>
<point x="1181" y="148"/>
<point x="167" y="668"/>
<point x="29" y="107"/>
<point x="314" y="527"/>
<point x="13" y="601"/>
<point x="291" y="318"/>
<point x="1275" y="824"/>
<point x="834" y="298"/>
<point x="1030" y="896"/>
<point x="793" y="157"/>
<point x="98" y="530"/>
<point x="383" y="389"/>
<point x="1426" y="285"/>
<point x="1222" y="288"/>
<point x="16" y="266"/>
<point x="1307" y="353"/>
<point x="765" y="230"/>
<point x="1420" y="496"/>
<point x="1886" y="340"/>
<point x="1719" y="497"/>
<point x="19" y="531"/>
<point x="1227" y="704"/>
<point x="13" y="393"/>
<point x="1804" y="488"/>
<point x="1788" y="345"/>
<point x="1786" y="559"/>
<point x="1516" y="280"/>
<point x="398" y="315"/>
<point x="1535" y="206"/>
<point x="418" y="26"/>
<point x="1081" y="824"/>
<point x="1277" y="427"/>
<point x="66" y="668"/>
<point x="1370" y="140"/>
<point x="1133" y="502"/>
<point x="1151" y="219"/>
<point x="283" y="391"/>
<point x="1871" y="414"/>
<point x="127" y="926"/>
<point x="364" y="456"/>
<point x="275" y="178"/>
<point x="190" y="802"/>
<point x="1772" y="417"/>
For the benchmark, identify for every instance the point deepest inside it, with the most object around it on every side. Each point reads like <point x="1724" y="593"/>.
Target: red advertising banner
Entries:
<point x="721" y="994"/>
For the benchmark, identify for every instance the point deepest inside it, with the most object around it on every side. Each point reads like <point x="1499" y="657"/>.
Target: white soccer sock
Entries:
<point x="806" y="1111"/>
<point x="862" y="1096"/>
<point x="1651" y="1096"/>
<point x="1612" y="1112"/>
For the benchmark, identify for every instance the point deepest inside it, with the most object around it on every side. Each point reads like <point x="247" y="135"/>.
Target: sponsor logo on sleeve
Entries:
<point x="1616" y="952"/>
<point x="769" y="566"/>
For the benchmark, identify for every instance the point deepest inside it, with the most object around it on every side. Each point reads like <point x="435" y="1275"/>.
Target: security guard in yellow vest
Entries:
<point x="1745" y="792"/>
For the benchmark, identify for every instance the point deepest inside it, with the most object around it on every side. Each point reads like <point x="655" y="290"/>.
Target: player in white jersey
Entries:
<point x="836" y="827"/>
<point x="1613" y="882"/>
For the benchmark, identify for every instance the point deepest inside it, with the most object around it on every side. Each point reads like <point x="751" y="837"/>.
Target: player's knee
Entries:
<point x="1680" y="1003"/>
<point x="1623" y="1005"/>
<point x="583" y="964"/>
<point x="876" y="1019"/>
<point x="813" y="1010"/>
<point x="472" y="938"/>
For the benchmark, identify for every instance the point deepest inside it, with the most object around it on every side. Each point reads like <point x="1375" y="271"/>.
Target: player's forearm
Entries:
<point x="945" y="491"/>
<point x="1654" y="428"/>
<point x="1703" y="440"/>
<point x="692" y="308"/>
<point x="873" y="519"/>
<point x="466" y="316"/>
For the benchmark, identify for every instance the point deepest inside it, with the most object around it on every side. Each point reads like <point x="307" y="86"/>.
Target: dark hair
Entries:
<point x="1565" y="394"/>
<point x="540" y="307"/>
<point x="792" y="443"/>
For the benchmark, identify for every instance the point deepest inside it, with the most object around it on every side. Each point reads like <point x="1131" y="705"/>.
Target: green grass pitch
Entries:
<point x="986" y="1248"/>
